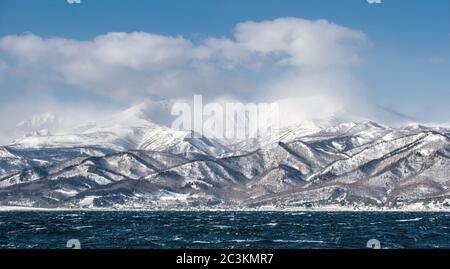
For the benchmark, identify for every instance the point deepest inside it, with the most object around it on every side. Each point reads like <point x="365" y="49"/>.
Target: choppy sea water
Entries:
<point x="297" y="230"/>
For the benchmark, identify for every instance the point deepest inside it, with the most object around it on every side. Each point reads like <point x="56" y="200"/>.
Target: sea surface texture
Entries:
<point x="297" y="230"/>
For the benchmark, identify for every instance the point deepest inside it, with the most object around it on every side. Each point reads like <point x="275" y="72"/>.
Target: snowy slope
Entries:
<point x="128" y="130"/>
<point x="127" y="161"/>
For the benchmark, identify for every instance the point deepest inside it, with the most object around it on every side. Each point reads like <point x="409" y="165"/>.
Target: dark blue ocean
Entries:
<point x="297" y="230"/>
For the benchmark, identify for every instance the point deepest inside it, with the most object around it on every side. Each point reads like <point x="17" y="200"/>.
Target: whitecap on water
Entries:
<point x="206" y="242"/>
<point x="222" y="226"/>
<point x="298" y="241"/>
<point x="72" y="215"/>
<point x="177" y="238"/>
<point x="83" y="227"/>
<point x="245" y="240"/>
<point x="298" y="214"/>
<point x="409" y="220"/>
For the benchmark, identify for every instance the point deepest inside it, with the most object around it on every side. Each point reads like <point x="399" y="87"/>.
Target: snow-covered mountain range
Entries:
<point x="129" y="162"/>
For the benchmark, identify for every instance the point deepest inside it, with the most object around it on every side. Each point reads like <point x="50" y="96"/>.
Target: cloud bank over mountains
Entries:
<point x="147" y="65"/>
<point x="308" y="64"/>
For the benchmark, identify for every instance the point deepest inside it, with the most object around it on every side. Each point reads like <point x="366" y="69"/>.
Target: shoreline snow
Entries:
<point x="324" y="209"/>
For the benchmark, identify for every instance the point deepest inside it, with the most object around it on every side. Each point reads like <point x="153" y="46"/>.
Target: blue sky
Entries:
<point x="405" y="66"/>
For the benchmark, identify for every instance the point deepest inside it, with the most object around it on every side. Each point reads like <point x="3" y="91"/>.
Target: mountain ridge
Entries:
<point x="129" y="162"/>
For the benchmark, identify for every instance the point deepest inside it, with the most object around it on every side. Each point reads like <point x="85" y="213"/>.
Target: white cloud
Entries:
<point x="282" y="58"/>
<point x="374" y="1"/>
<point x="137" y="65"/>
<point x="294" y="42"/>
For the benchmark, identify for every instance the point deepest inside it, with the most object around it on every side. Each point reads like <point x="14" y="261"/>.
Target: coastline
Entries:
<point x="305" y="210"/>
